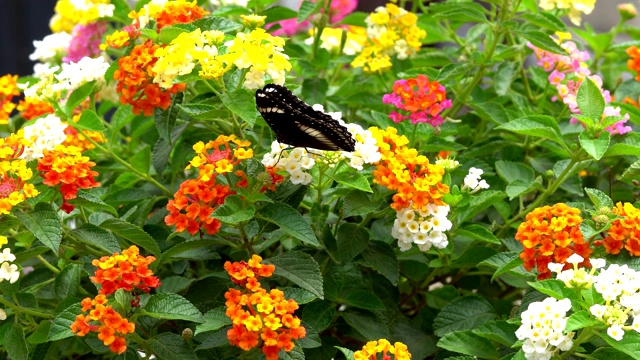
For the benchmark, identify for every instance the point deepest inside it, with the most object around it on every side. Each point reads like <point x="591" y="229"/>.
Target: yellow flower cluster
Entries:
<point x="72" y="12"/>
<point x="8" y="90"/>
<point x="575" y="7"/>
<point x="391" y="30"/>
<point x="371" y="350"/>
<point x="331" y="39"/>
<point x="257" y="51"/>
<point x="13" y="173"/>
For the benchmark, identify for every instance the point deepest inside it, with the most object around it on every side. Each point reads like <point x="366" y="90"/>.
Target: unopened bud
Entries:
<point x="627" y="11"/>
<point x="253" y="21"/>
<point x="187" y="334"/>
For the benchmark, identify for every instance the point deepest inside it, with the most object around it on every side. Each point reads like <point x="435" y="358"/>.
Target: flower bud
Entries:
<point x="253" y="21"/>
<point x="187" y="334"/>
<point x="627" y="11"/>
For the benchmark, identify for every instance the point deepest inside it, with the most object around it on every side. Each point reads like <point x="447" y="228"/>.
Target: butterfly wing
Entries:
<point x="297" y="124"/>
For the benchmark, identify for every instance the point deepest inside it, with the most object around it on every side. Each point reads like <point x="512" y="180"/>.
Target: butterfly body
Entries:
<point x="297" y="124"/>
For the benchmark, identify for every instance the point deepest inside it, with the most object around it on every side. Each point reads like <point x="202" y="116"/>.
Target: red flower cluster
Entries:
<point x="260" y="315"/>
<point x="423" y="99"/>
<point x="135" y="81"/>
<point x="127" y="271"/>
<point x="552" y="234"/>
<point x="66" y="166"/>
<point x="624" y="232"/>
<point x="102" y="318"/>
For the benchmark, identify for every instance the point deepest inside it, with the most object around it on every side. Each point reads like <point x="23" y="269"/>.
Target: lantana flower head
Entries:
<point x="69" y="13"/>
<point x="14" y="173"/>
<point x="127" y="271"/>
<point x="45" y="134"/>
<point x="8" y="271"/>
<point x="472" y="181"/>
<point x="552" y="234"/>
<point x="98" y="316"/>
<point x="31" y="108"/>
<point x="219" y="156"/>
<point x="634" y="60"/>
<point x="168" y="12"/>
<point x="382" y="348"/>
<point x="575" y="7"/>
<point x="8" y="90"/>
<point x="391" y="31"/>
<point x="625" y="232"/>
<point x="424" y="100"/>
<point x="51" y="48"/>
<point x="542" y="329"/>
<point x="331" y="39"/>
<point x="260" y="318"/>
<point x="424" y="228"/>
<point x="65" y="166"/>
<point x="85" y="41"/>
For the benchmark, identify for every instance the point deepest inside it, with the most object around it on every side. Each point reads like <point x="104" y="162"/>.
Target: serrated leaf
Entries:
<point x="595" y="147"/>
<point x="598" y="198"/>
<point x="61" y="324"/>
<point x="499" y="331"/>
<point x="465" y="313"/>
<point x="542" y="41"/>
<point x="352" y="179"/>
<point x="301" y="269"/>
<point x="290" y="221"/>
<point x="502" y="262"/>
<point x="590" y="100"/>
<point x="319" y="314"/>
<point x="233" y="212"/>
<point x="358" y="203"/>
<point x="67" y="281"/>
<point x="15" y="343"/>
<point x="536" y="125"/>
<point x="184" y="250"/>
<point x="132" y="233"/>
<point x="580" y="320"/>
<point x="545" y="20"/>
<point x="481" y="202"/>
<point x="306" y="9"/>
<point x="97" y="237"/>
<point x="383" y="259"/>
<point x="44" y="224"/>
<point x="141" y="160"/>
<point x="631" y="172"/>
<point x="468" y="343"/>
<point x="478" y="232"/>
<point x="169" y="346"/>
<point x="346" y="352"/>
<point x="89" y="120"/>
<point x="213" y="320"/>
<point x="555" y="289"/>
<point x="511" y="171"/>
<point x="351" y="240"/>
<point x="630" y="343"/>
<point x="172" y="307"/>
<point x="91" y="201"/>
<point x="242" y="103"/>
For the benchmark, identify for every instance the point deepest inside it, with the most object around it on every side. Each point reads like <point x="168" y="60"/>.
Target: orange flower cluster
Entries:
<point x="260" y="315"/>
<point x="192" y="205"/>
<point x="31" y="108"/>
<point x="382" y="347"/>
<point x="75" y="139"/>
<point x="552" y="234"/>
<point x="417" y="182"/>
<point x="8" y="89"/>
<point x="127" y="271"/>
<point x="179" y="12"/>
<point x="66" y="166"/>
<point x="272" y="179"/>
<point x="217" y="156"/>
<point x="634" y="62"/>
<point x="99" y="317"/>
<point x="624" y="232"/>
<point x="135" y="81"/>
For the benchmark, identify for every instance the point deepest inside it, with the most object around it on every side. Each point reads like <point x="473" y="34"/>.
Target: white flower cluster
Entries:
<point x="46" y="87"/>
<point x="3" y="315"/>
<point x="8" y="271"/>
<point x="472" y="180"/>
<point x="50" y="47"/>
<point x="542" y="329"/>
<point x="46" y="133"/>
<point x="577" y="277"/>
<point x="424" y="228"/>
<point x="294" y="162"/>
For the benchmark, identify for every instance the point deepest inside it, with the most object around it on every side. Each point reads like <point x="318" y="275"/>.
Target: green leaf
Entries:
<point x="462" y="14"/>
<point x="542" y="126"/>
<point x="502" y="262"/>
<point x="544" y="20"/>
<point x="301" y="269"/>
<point x="242" y="103"/>
<point x="629" y="144"/>
<point x="609" y="353"/>
<point x="542" y="41"/>
<point x="15" y="343"/>
<point x="465" y="313"/>
<point x="78" y="96"/>
<point x="188" y="250"/>
<point x="590" y="100"/>
<point x="215" y="23"/>
<point x="199" y="111"/>
<point x="511" y="171"/>
<point x="301" y="296"/>
<point x="90" y="201"/>
<point x="358" y="203"/>
<point x="166" y="120"/>
<point x="89" y="120"/>
<point x="29" y="254"/>
<point x="98" y="237"/>
<point x="61" y="324"/>
<point x="348" y="354"/>
<point x="631" y="172"/>
<point x="352" y="179"/>
<point x="478" y="232"/>
<point x="172" y="307"/>
<point x="598" y="198"/>
<point x="382" y="258"/>
<point x="363" y="299"/>
<point x="480" y="202"/>
<point x="468" y="343"/>
<point x="169" y="346"/>
<point x="290" y="221"/>
<point x="67" y="281"/>
<point x="351" y="239"/>
<point x="503" y="78"/>
<point x="44" y="224"/>
<point x="132" y="233"/>
<point x="278" y="13"/>
<point x="306" y="9"/>
<point x="499" y="331"/>
<point x="580" y="320"/>
<point x="366" y="323"/>
<point x="595" y="147"/>
<point x="356" y="18"/>
<point x="233" y="212"/>
<point x="141" y="160"/>
<point x="555" y="289"/>
<point x="213" y="320"/>
<point x="630" y="343"/>
<point x="319" y="314"/>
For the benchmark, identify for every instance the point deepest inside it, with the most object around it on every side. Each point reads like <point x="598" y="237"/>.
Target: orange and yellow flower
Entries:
<point x="624" y="232"/>
<point x="75" y="139"/>
<point x="383" y="347"/>
<point x="219" y="156"/>
<point x="8" y="89"/>
<point x="260" y="318"/>
<point x="31" y="108"/>
<point x="127" y="271"/>
<point x="552" y="234"/>
<point x="101" y="318"/>
<point x="135" y="81"/>
<point x="14" y="173"/>
<point x="65" y="166"/>
<point x="169" y="13"/>
<point x="634" y="61"/>
<point x="417" y="182"/>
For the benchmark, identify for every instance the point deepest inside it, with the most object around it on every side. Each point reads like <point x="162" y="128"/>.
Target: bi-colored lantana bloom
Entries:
<point x="625" y="232"/>
<point x="69" y="13"/>
<point x="382" y="349"/>
<point x="575" y="7"/>
<point x="14" y="173"/>
<point x="424" y="100"/>
<point x="8" y="90"/>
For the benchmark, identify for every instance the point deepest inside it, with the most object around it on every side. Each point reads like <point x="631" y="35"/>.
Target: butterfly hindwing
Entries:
<point x="297" y="124"/>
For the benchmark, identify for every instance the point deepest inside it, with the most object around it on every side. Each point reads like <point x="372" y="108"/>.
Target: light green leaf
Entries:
<point x="233" y="212"/>
<point x="352" y="179"/>
<point x="542" y="126"/>
<point x="170" y="346"/>
<point x="61" y="324"/>
<point x="542" y="41"/>
<point x="598" y="198"/>
<point x="89" y="120"/>
<point x="44" y="223"/>
<point x="595" y="147"/>
<point x="172" y="307"/>
<point x="478" y="232"/>
<point x="242" y="103"/>
<point x="468" y="343"/>
<point x="132" y="233"/>
<point x="503" y="262"/>
<point x="90" y="201"/>
<point x="213" y="320"/>
<point x="301" y="269"/>
<point x="306" y="9"/>
<point x="98" y="237"/>
<point x="590" y="100"/>
<point x="290" y="221"/>
<point x="78" y="96"/>
<point x="580" y="320"/>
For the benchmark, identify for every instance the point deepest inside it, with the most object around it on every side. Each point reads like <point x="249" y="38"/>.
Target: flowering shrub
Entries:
<point x="147" y="209"/>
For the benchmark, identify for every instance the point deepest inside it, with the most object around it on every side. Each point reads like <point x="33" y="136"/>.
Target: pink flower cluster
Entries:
<point x="339" y="9"/>
<point x="423" y="99"/>
<point x="567" y="73"/>
<point x="85" y="41"/>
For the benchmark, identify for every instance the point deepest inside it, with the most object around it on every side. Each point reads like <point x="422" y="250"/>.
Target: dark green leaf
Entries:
<point x="97" y="237"/>
<point x="15" y="343"/>
<point x="61" y="324"/>
<point x="90" y="201"/>
<point x="319" y="314"/>
<point x="301" y="269"/>
<point x="169" y="346"/>
<point x="351" y="240"/>
<point x="233" y="212"/>
<point x="468" y="343"/>
<point x="213" y="320"/>
<point x="478" y="232"/>
<point x="132" y="233"/>
<point x="172" y="307"/>
<point x="465" y="313"/>
<point x="542" y="41"/>
<point x="290" y="221"/>
<point x="382" y="258"/>
<point x="44" y="223"/>
<point x="68" y="281"/>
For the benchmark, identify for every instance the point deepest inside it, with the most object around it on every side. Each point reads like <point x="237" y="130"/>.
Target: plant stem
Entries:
<point x="48" y="265"/>
<point x="20" y="309"/>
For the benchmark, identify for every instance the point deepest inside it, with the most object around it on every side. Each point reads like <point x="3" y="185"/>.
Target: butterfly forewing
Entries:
<point x="298" y="124"/>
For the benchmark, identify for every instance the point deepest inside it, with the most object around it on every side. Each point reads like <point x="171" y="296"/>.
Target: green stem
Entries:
<point x="20" y="309"/>
<point x="48" y="265"/>
<point x="585" y="335"/>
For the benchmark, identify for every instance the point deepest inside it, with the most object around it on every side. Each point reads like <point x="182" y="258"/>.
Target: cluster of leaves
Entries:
<point x="331" y="241"/>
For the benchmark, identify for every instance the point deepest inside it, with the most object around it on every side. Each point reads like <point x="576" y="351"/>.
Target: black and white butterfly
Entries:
<point x="298" y="124"/>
